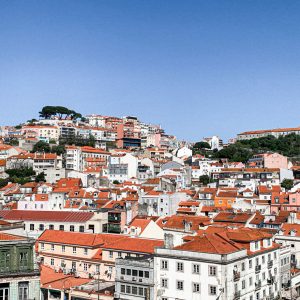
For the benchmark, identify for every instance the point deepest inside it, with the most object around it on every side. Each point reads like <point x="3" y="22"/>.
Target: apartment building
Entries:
<point x="158" y="203"/>
<point x="230" y="265"/>
<point x="90" y="255"/>
<point x="19" y="273"/>
<point x="247" y="135"/>
<point x="37" y="221"/>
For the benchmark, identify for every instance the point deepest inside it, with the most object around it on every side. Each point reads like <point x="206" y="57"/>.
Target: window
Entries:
<point x="23" y="291"/>
<point x="52" y="261"/>
<point x="41" y="227"/>
<point x="250" y="264"/>
<point x="63" y="248"/>
<point x="42" y="246"/>
<point x="31" y="226"/>
<point x="23" y="259"/>
<point x="123" y="271"/>
<point x="81" y="228"/>
<point x="128" y="272"/>
<point x="212" y="270"/>
<point x="243" y="266"/>
<point x="85" y="251"/>
<point x="243" y="284"/>
<point x="74" y="250"/>
<point x="196" y="269"/>
<point x="250" y="281"/>
<point x="146" y="274"/>
<point x="85" y="267"/>
<point x="119" y="254"/>
<point x="180" y="267"/>
<point x="164" y="265"/>
<point x="263" y="259"/>
<point x="52" y="247"/>
<point x="72" y="228"/>
<point x="111" y="254"/>
<point x="134" y="290"/>
<point x="74" y="265"/>
<point x="122" y="288"/>
<point x="212" y="290"/>
<point x="179" y="285"/>
<point x="61" y="227"/>
<point x="4" y="260"/>
<point x="196" y="287"/>
<point x="98" y="269"/>
<point x="164" y="283"/>
<point x="51" y="227"/>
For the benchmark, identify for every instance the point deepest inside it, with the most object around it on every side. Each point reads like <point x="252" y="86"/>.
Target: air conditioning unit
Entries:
<point x="133" y="278"/>
<point x="140" y="280"/>
<point x="122" y="277"/>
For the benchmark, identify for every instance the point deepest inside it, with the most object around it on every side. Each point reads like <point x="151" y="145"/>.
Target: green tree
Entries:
<point x="116" y="182"/>
<point x="287" y="184"/>
<point x="41" y="146"/>
<point x="40" y="177"/>
<point x="204" y="179"/>
<point x="59" y="150"/>
<point x="202" y="145"/>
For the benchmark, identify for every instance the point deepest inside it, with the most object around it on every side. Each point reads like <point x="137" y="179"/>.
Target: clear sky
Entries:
<point x="198" y="68"/>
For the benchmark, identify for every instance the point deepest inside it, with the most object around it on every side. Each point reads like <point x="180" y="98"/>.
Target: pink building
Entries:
<point x="269" y="160"/>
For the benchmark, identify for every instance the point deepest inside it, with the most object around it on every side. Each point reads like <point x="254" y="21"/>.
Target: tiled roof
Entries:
<point x="79" y="238"/>
<point x="134" y="244"/>
<point x="54" y="216"/>
<point x="232" y="217"/>
<point x="210" y="243"/>
<point x="11" y="237"/>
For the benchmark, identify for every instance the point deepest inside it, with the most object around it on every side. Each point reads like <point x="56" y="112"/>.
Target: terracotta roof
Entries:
<point x="210" y="243"/>
<point x="11" y="237"/>
<point x="54" y="216"/>
<point x="134" y="244"/>
<point x="140" y="223"/>
<point x="178" y="222"/>
<point x="58" y="280"/>
<point x="79" y="238"/>
<point x="232" y="217"/>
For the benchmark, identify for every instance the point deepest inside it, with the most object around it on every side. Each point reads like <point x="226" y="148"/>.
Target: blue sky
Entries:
<point x="198" y="68"/>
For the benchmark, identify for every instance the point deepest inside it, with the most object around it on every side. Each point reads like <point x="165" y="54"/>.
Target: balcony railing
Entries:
<point x="236" y="275"/>
<point x="236" y="295"/>
<point x="257" y="285"/>
<point x="270" y="281"/>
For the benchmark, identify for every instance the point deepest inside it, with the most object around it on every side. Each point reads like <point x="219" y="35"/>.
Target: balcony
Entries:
<point x="258" y="285"/>
<point x="270" y="281"/>
<point x="236" y="276"/>
<point x="257" y="268"/>
<point x="270" y="264"/>
<point x="237" y="295"/>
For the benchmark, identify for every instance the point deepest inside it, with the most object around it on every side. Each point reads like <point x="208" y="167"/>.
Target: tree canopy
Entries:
<point x="287" y="184"/>
<point x="288" y="145"/>
<point x="62" y="112"/>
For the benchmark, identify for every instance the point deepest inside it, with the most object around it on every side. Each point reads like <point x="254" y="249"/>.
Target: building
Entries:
<point x="269" y="160"/>
<point x="37" y="221"/>
<point x="19" y="273"/>
<point x="135" y="278"/>
<point x="225" y="265"/>
<point x="247" y="135"/>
